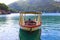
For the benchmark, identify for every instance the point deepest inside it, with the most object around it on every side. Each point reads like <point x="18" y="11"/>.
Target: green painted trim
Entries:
<point x="27" y="35"/>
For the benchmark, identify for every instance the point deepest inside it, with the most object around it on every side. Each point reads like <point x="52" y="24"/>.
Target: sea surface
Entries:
<point x="9" y="26"/>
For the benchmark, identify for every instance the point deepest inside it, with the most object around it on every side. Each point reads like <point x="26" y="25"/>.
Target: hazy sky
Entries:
<point x="7" y="1"/>
<point x="57" y="0"/>
<point x="11" y="1"/>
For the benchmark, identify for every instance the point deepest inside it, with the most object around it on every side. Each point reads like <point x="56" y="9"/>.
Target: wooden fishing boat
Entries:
<point x="29" y="24"/>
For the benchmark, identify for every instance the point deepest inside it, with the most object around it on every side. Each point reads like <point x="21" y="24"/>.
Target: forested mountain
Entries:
<point x="36" y="5"/>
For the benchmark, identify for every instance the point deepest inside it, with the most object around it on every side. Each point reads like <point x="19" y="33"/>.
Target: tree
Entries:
<point x="3" y="7"/>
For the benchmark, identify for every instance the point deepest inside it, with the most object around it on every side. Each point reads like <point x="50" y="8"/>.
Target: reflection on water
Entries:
<point x="2" y="19"/>
<point x="9" y="27"/>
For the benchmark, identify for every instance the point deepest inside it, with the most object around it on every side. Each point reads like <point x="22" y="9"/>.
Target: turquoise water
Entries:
<point x="9" y="27"/>
<point x="50" y="27"/>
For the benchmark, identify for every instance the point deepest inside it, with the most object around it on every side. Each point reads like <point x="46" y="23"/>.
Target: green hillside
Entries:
<point x="36" y="5"/>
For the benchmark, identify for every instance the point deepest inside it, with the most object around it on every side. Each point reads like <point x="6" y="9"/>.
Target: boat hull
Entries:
<point x="30" y="29"/>
<point x="27" y="35"/>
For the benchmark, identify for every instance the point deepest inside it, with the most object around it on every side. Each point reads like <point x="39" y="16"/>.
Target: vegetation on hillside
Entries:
<point x="36" y="5"/>
<point x="4" y="9"/>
